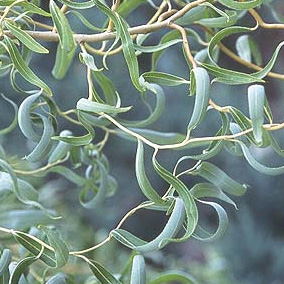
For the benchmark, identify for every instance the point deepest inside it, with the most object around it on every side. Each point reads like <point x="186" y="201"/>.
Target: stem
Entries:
<point x="264" y="25"/>
<point x="185" y="43"/>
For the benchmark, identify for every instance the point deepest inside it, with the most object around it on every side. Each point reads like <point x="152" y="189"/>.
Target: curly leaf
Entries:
<point x="219" y="178"/>
<point x="205" y="236"/>
<point x="61" y="251"/>
<point x="26" y="39"/>
<point x="22" y="66"/>
<point x="142" y="179"/>
<point x="202" y="87"/>
<point x="102" y="274"/>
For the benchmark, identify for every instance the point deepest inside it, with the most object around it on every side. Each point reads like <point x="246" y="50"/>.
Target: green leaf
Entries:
<point x="67" y="47"/>
<point x="80" y="140"/>
<point x="24" y="119"/>
<point x="61" y="252"/>
<point x="127" y="44"/>
<point x="240" y="5"/>
<point x="126" y="7"/>
<point x="5" y="259"/>
<point x="173" y="276"/>
<point x="202" y="87"/>
<point x="154" y="136"/>
<point x="201" y="190"/>
<point x="21" y="267"/>
<point x="107" y="87"/>
<point x="155" y="113"/>
<point x="163" y="78"/>
<point x="14" y="123"/>
<point x="43" y="147"/>
<point x="273" y="171"/>
<point x="63" y="61"/>
<point x="36" y="248"/>
<point x="243" y="48"/>
<point x="78" y="5"/>
<point x="26" y="39"/>
<point x="94" y="201"/>
<point x="142" y="179"/>
<point x="215" y="146"/>
<point x="62" y="148"/>
<point x="230" y="77"/>
<point x="94" y="107"/>
<point x="228" y="20"/>
<point x="205" y="236"/>
<point x="262" y="73"/>
<point x="138" y="271"/>
<point x="63" y="28"/>
<point x="170" y="230"/>
<point x="84" y="21"/>
<point x="33" y="9"/>
<point x="127" y="239"/>
<point x="256" y="99"/>
<point x="22" y="67"/>
<point x="194" y="14"/>
<point x="88" y="60"/>
<point x="155" y="48"/>
<point x="102" y="274"/>
<point x="221" y="35"/>
<point x="24" y="191"/>
<point x="23" y="219"/>
<point x="66" y="173"/>
<point x="185" y="195"/>
<point x="219" y="178"/>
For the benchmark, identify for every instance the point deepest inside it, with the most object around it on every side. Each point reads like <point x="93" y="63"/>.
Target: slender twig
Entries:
<point x="264" y="25"/>
<point x="185" y="43"/>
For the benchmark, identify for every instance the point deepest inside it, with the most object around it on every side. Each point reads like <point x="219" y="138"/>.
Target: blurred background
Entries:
<point x="252" y="250"/>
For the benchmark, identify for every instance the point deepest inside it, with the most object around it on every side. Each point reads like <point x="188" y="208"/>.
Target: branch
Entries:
<point x="143" y="29"/>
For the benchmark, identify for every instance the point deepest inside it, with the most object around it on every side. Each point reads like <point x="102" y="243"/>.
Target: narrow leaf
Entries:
<point x="219" y="178"/>
<point x="163" y="78"/>
<point x="256" y="99"/>
<point x="202" y="87"/>
<point x="138" y="271"/>
<point x="26" y="39"/>
<point x="22" y="66"/>
<point x="94" y="107"/>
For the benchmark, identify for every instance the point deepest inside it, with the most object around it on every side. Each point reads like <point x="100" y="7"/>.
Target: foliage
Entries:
<point x="35" y="245"/>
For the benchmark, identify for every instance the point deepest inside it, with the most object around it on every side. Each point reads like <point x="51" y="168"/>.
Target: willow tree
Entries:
<point x="32" y="250"/>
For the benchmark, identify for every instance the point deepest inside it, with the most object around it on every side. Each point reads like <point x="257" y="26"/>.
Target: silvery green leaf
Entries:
<point x="223" y="221"/>
<point x="219" y="178"/>
<point x="94" y="107"/>
<point x="240" y="5"/>
<point x="161" y="78"/>
<point x="22" y="67"/>
<point x="138" y="271"/>
<point x="202" y="92"/>
<point x="169" y="232"/>
<point x="102" y="274"/>
<point x="26" y="39"/>
<point x="61" y="252"/>
<point x="173" y="275"/>
<point x="256" y="99"/>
